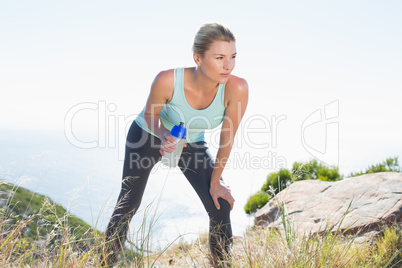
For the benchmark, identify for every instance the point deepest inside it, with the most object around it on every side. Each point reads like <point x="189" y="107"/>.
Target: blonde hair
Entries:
<point x="208" y="33"/>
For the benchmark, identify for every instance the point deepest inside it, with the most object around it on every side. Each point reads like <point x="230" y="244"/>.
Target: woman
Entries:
<point x="202" y="97"/>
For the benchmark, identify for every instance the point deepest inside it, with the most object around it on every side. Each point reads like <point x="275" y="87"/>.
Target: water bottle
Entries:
<point x="179" y="134"/>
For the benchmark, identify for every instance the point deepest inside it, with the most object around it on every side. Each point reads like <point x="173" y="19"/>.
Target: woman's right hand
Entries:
<point x="168" y="143"/>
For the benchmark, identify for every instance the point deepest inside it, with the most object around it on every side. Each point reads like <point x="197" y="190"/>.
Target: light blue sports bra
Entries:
<point x="178" y="110"/>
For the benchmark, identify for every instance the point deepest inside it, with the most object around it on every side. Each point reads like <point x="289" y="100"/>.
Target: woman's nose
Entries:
<point x="229" y="64"/>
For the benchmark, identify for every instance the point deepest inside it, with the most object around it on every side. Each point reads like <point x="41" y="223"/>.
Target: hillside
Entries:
<point x="36" y="221"/>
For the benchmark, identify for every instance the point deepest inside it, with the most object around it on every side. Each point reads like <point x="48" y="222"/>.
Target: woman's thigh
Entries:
<point x="197" y="165"/>
<point x="141" y="154"/>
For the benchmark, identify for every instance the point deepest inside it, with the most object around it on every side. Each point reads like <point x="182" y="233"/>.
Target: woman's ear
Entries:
<point x="197" y="59"/>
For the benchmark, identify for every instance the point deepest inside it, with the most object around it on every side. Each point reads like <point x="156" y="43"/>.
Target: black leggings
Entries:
<point x="141" y="154"/>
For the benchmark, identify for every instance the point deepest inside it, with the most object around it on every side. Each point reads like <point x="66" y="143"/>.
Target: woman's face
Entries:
<point x="218" y="61"/>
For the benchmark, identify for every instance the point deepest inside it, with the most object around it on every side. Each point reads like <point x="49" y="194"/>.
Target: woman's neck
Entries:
<point x="202" y="82"/>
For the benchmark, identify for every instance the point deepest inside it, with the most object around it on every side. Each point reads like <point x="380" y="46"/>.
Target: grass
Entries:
<point x="268" y="248"/>
<point x="36" y="232"/>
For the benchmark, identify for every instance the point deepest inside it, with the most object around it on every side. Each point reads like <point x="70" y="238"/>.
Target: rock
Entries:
<point x="314" y="206"/>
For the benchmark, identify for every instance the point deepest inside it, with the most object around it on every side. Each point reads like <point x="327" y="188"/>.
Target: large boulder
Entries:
<point x="314" y="206"/>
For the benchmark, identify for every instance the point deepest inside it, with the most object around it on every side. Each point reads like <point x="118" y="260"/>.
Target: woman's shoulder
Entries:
<point x="236" y="85"/>
<point x="236" y="89"/>
<point x="165" y="76"/>
<point x="163" y="84"/>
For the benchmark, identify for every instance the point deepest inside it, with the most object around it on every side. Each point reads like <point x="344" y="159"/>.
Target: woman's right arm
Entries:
<point x="161" y="91"/>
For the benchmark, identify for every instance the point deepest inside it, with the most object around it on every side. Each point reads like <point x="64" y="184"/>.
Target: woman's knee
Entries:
<point x="224" y="204"/>
<point x="224" y="211"/>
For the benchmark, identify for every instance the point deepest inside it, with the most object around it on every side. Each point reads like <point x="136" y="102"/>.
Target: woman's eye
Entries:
<point x="219" y="58"/>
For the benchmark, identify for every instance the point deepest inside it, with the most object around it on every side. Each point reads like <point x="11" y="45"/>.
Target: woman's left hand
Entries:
<point x="221" y="190"/>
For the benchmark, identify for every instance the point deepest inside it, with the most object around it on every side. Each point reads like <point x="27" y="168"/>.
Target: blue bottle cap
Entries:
<point x="179" y="131"/>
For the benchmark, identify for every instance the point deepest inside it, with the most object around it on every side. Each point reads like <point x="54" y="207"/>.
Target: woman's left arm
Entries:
<point x="237" y="104"/>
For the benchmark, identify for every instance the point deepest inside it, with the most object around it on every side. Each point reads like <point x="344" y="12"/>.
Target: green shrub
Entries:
<point x="256" y="201"/>
<point x="390" y="164"/>
<point x="277" y="180"/>
<point x="284" y="177"/>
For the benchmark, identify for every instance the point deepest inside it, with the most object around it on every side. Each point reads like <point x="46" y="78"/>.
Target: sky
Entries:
<point x="324" y="76"/>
